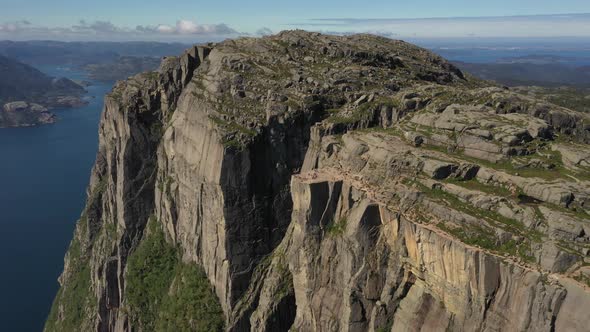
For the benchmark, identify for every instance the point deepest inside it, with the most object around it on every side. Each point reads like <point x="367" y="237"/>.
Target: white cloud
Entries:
<point x="187" y="27"/>
<point x="164" y="28"/>
<point x="184" y="26"/>
<point x="105" y="30"/>
<point x="572" y="25"/>
<point x="96" y="27"/>
<point x="14" y="26"/>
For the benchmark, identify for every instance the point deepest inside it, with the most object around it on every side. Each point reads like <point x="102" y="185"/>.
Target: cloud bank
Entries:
<point x="183" y="30"/>
<point x="186" y="27"/>
<point x="573" y="25"/>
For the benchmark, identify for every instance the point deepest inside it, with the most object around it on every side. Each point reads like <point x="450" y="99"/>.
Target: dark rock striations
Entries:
<point x="331" y="183"/>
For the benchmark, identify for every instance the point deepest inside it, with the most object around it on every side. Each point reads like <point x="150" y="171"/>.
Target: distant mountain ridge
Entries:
<point x="103" y="61"/>
<point x="526" y="73"/>
<point x="20" y="81"/>
<point x="122" y="68"/>
<point x="26" y="93"/>
<point x="550" y="77"/>
<point x="83" y="53"/>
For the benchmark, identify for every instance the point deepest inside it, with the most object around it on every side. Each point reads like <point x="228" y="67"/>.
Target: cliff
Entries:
<point x="324" y="183"/>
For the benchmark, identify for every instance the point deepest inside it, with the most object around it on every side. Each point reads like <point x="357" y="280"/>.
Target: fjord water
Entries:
<point x="44" y="172"/>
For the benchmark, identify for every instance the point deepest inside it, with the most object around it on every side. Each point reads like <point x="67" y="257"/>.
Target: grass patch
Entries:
<point x="363" y="112"/>
<point x="337" y="228"/>
<point x="231" y="126"/>
<point x="493" y="218"/>
<point x="152" y="75"/>
<point x="472" y="235"/>
<point x="479" y="235"/>
<point x="191" y="304"/>
<point x="559" y="172"/>
<point x="231" y="131"/>
<point x="478" y="186"/>
<point x="583" y="279"/>
<point x="574" y="213"/>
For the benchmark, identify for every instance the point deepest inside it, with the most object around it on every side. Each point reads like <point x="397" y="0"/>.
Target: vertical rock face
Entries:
<point x="120" y="196"/>
<point x="375" y="269"/>
<point x="304" y="174"/>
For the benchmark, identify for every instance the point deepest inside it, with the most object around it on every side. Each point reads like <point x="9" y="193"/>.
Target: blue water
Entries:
<point x="573" y="51"/>
<point x="573" y="58"/>
<point x="44" y="172"/>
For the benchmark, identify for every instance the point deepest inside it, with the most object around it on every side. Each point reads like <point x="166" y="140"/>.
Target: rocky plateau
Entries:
<point x="309" y="182"/>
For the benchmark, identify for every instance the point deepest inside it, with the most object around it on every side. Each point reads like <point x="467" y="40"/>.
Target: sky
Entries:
<point x="184" y="20"/>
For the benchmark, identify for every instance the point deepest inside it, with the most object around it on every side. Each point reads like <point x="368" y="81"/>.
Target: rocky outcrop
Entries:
<point x="366" y="255"/>
<point x="328" y="183"/>
<point x="379" y="270"/>
<point x="23" y="114"/>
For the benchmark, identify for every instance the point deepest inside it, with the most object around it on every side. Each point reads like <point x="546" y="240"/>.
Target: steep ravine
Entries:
<point x="323" y="183"/>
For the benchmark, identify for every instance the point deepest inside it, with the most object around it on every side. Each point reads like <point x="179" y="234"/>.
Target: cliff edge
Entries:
<point x="309" y="182"/>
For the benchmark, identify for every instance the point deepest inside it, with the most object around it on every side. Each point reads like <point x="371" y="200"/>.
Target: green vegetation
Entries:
<point x="286" y="278"/>
<point x="165" y="185"/>
<point x="98" y="189"/>
<point x="168" y="118"/>
<point x="191" y="304"/>
<point x="150" y="270"/>
<point x="478" y="186"/>
<point x="165" y="294"/>
<point x="337" y="228"/>
<point x="480" y="235"/>
<point x="387" y="327"/>
<point x="568" y="97"/>
<point x="152" y="75"/>
<point x="75" y="300"/>
<point x="583" y="279"/>
<point x="362" y="112"/>
<point x="572" y="212"/>
<point x="558" y="172"/>
<point x="110" y="229"/>
<point x="485" y="238"/>
<point x="572" y="98"/>
<point x="162" y="293"/>
<point x="116" y="94"/>
<point x="541" y="151"/>
<point x="230" y="127"/>
<point x="491" y="217"/>
<point x="474" y="235"/>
